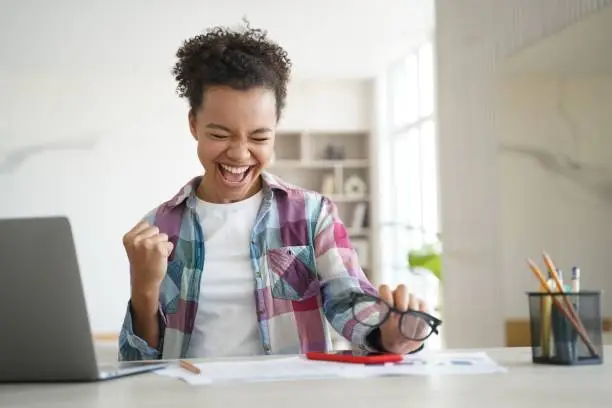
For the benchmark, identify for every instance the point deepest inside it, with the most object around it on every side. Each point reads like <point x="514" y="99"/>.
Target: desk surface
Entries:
<point x="524" y="384"/>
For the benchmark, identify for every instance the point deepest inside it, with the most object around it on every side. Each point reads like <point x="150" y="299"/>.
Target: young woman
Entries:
<point x="239" y="262"/>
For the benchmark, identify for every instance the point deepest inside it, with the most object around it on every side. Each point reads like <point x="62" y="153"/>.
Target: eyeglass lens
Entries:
<point x="415" y="327"/>
<point x="372" y="312"/>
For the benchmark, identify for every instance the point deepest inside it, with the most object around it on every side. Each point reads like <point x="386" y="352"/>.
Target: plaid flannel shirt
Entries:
<point x="303" y="265"/>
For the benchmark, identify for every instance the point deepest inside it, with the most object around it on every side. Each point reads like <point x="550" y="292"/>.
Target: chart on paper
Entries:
<point x="299" y="368"/>
<point x="441" y="363"/>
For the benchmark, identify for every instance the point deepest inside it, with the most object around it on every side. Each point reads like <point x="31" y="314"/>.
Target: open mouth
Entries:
<point x="234" y="174"/>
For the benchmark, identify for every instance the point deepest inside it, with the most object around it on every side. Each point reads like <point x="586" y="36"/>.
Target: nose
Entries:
<point x="238" y="152"/>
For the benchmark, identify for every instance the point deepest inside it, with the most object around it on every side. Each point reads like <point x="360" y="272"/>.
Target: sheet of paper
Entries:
<point x="275" y="369"/>
<point x="440" y="363"/>
<point x="299" y="368"/>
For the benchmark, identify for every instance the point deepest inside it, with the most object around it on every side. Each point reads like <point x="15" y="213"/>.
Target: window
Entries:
<point x="409" y="177"/>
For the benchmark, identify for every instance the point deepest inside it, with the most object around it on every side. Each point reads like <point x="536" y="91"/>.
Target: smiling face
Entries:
<point x="235" y="132"/>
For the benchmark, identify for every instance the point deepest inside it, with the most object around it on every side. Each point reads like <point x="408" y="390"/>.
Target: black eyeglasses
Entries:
<point x="373" y="311"/>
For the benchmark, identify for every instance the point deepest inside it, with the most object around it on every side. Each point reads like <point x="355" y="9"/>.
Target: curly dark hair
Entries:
<point x="240" y="59"/>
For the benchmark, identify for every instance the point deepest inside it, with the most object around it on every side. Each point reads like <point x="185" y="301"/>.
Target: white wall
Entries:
<point x="343" y="38"/>
<point x="135" y="152"/>
<point x="329" y="104"/>
<point x="556" y="180"/>
<point x="473" y="37"/>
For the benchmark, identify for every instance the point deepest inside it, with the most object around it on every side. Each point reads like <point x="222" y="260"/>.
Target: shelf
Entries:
<point x="361" y="232"/>
<point x="337" y="164"/>
<point x="289" y="146"/>
<point x="348" y="199"/>
<point x="320" y="164"/>
<point x="349" y="146"/>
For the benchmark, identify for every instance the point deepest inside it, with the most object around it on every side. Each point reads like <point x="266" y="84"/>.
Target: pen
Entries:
<point x="564" y="286"/>
<point x="575" y="290"/>
<point x="560" y="275"/>
<point x="551" y="338"/>
<point x="550" y="282"/>
<point x="189" y="367"/>
<point x="565" y="306"/>
<point x="575" y="279"/>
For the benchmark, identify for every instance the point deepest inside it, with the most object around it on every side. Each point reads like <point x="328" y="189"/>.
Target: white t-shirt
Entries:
<point x="226" y="320"/>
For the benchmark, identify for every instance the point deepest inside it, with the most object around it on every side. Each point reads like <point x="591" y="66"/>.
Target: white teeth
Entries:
<point x="234" y="170"/>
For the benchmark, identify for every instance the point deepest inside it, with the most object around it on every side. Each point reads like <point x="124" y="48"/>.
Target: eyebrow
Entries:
<point x="226" y="129"/>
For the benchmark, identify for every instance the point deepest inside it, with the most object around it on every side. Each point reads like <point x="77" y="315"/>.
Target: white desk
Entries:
<point x="525" y="385"/>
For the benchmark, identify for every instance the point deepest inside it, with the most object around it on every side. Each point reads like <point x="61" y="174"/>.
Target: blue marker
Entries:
<point x="564" y="287"/>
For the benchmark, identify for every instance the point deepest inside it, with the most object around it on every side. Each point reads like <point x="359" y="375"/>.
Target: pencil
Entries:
<point x="576" y="323"/>
<point x="189" y="367"/>
<point x="555" y="276"/>
<point x="545" y="308"/>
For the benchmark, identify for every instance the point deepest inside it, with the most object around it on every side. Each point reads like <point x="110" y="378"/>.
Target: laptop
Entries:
<point x="45" y="335"/>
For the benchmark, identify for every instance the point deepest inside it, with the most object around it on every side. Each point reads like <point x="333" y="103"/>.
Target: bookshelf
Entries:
<point x="337" y="164"/>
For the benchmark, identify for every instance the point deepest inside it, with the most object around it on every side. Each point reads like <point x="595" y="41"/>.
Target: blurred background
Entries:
<point x="456" y="137"/>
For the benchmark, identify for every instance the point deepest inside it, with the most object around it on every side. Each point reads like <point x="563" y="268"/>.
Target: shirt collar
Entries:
<point x="187" y="192"/>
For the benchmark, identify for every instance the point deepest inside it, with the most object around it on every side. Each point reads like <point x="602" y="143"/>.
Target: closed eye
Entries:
<point x="218" y="137"/>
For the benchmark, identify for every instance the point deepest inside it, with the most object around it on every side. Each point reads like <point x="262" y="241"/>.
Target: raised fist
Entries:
<point x="148" y="251"/>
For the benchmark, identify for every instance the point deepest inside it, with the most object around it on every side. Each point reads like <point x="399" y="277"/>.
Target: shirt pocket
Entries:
<point x="170" y="290"/>
<point x="292" y="273"/>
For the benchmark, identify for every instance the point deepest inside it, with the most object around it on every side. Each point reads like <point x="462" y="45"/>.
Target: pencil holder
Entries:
<point x="566" y="335"/>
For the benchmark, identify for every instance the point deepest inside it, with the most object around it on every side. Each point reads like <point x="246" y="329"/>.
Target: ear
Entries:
<point x="191" y="118"/>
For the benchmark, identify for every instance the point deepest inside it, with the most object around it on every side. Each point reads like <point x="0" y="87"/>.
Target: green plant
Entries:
<point x="429" y="257"/>
<point x="426" y="257"/>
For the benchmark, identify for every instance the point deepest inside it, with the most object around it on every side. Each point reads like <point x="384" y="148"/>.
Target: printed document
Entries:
<point x="264" y="369"/>
<point x="299" y="368"/>
<point x="440" y="363"/>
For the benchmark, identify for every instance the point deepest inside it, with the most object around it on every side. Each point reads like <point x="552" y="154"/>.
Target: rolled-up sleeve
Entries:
<point x="340" y="275"/>
<point x="134" y="348"/>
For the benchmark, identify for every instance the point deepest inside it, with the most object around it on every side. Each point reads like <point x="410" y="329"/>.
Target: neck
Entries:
<point x="207" y="193"/>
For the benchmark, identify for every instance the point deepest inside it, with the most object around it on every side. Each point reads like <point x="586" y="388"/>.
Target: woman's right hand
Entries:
<point x="148" y="251"/>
